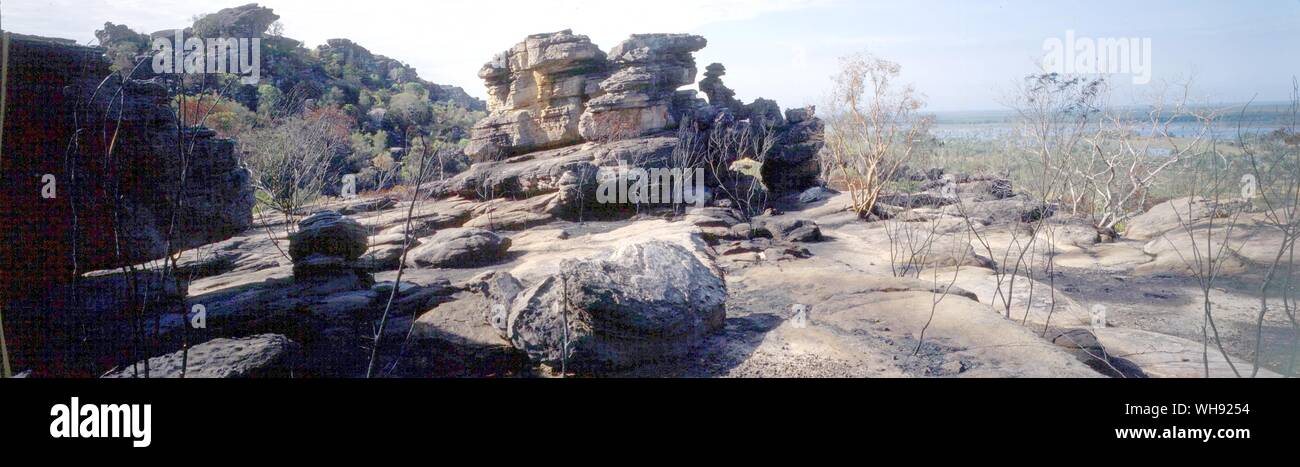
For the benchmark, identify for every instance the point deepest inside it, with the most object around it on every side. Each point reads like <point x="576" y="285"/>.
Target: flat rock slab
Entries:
<point x="264" y="355"/>
<point x="866" y="325"/>
<point x="1166" y="356"/>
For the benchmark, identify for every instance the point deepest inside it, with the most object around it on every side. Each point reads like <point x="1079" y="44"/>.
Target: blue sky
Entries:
<point x="962" y="55"/>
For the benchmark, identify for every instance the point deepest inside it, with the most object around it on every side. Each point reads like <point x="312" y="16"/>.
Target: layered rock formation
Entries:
<point x="559" y="89"/>
<point x="64" y="189"/>
<point x="719" y="94"/>
<point x="639" y="97"/>
<point x="537" y="92"/>
<point x="794" y="163"/>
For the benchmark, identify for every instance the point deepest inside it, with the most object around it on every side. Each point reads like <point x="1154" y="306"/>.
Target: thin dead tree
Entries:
<point x="1127" y="154"/>
<point x="940" y="291"/>
<point x="1274" y="164"/>
<point x="1206" y="261"/>
<point x="185" y="151"/>
<point x="377" y="340"/>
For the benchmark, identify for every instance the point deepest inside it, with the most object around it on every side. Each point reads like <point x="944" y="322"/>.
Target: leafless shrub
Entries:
<point x="1274" y="164"/>
<point x="407" y="238"/>
<point x="874" y="127"/>
<point x="291" y="159"/>
<point x="1127" y="154"/>
<point x="734" y="154"/>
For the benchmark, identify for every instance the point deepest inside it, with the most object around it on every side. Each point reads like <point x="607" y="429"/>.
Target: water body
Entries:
<point x="1257" y="119"/>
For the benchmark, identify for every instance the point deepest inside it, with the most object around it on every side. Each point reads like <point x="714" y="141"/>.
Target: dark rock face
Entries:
<point x="52" y="93"/>
<point x="466" y="336"/>
<point x="794" y="163"/>
<point x="643" y="302"/>
<point x="68" y="205"/>
<point x="327" y="315"/>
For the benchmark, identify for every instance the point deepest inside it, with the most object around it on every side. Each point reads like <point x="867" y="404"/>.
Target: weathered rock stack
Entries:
<point x="557" y="90"/>
<point x="326" y="243"/>
<point x="793" y="163"/>
<point x="723" y="100"/>
<point x="720" y="96"/>
<point x="537" y="92"/>
<point x="639" y="97"/>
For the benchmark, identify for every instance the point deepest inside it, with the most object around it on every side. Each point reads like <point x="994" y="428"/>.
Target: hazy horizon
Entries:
<point x="961" y="56"/>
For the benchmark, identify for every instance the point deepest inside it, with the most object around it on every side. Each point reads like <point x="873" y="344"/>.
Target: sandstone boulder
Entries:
<point x="326" y="242"/>
<point x="641" y="302"/>
<point x="458" y="248"/>
<point x="1172" y="214"/>
<point x="815" y="194"/>
<point x="328" y="233"/>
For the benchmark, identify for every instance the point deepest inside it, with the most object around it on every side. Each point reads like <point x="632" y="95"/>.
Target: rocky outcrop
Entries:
<point x="642" y="302"/>
<point x="720" y="96"/>
<point x="537" y="92"/>
<point x="367" y="63"/>
<point x="638" y="97"/>
<point x="116" y="208"/>
<point x="794" y="230"/>
<point x="558" y="183"/>
<point x="248" y="20"/>
<point x="559" y="89"/>
<point x="794" y="164"/>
